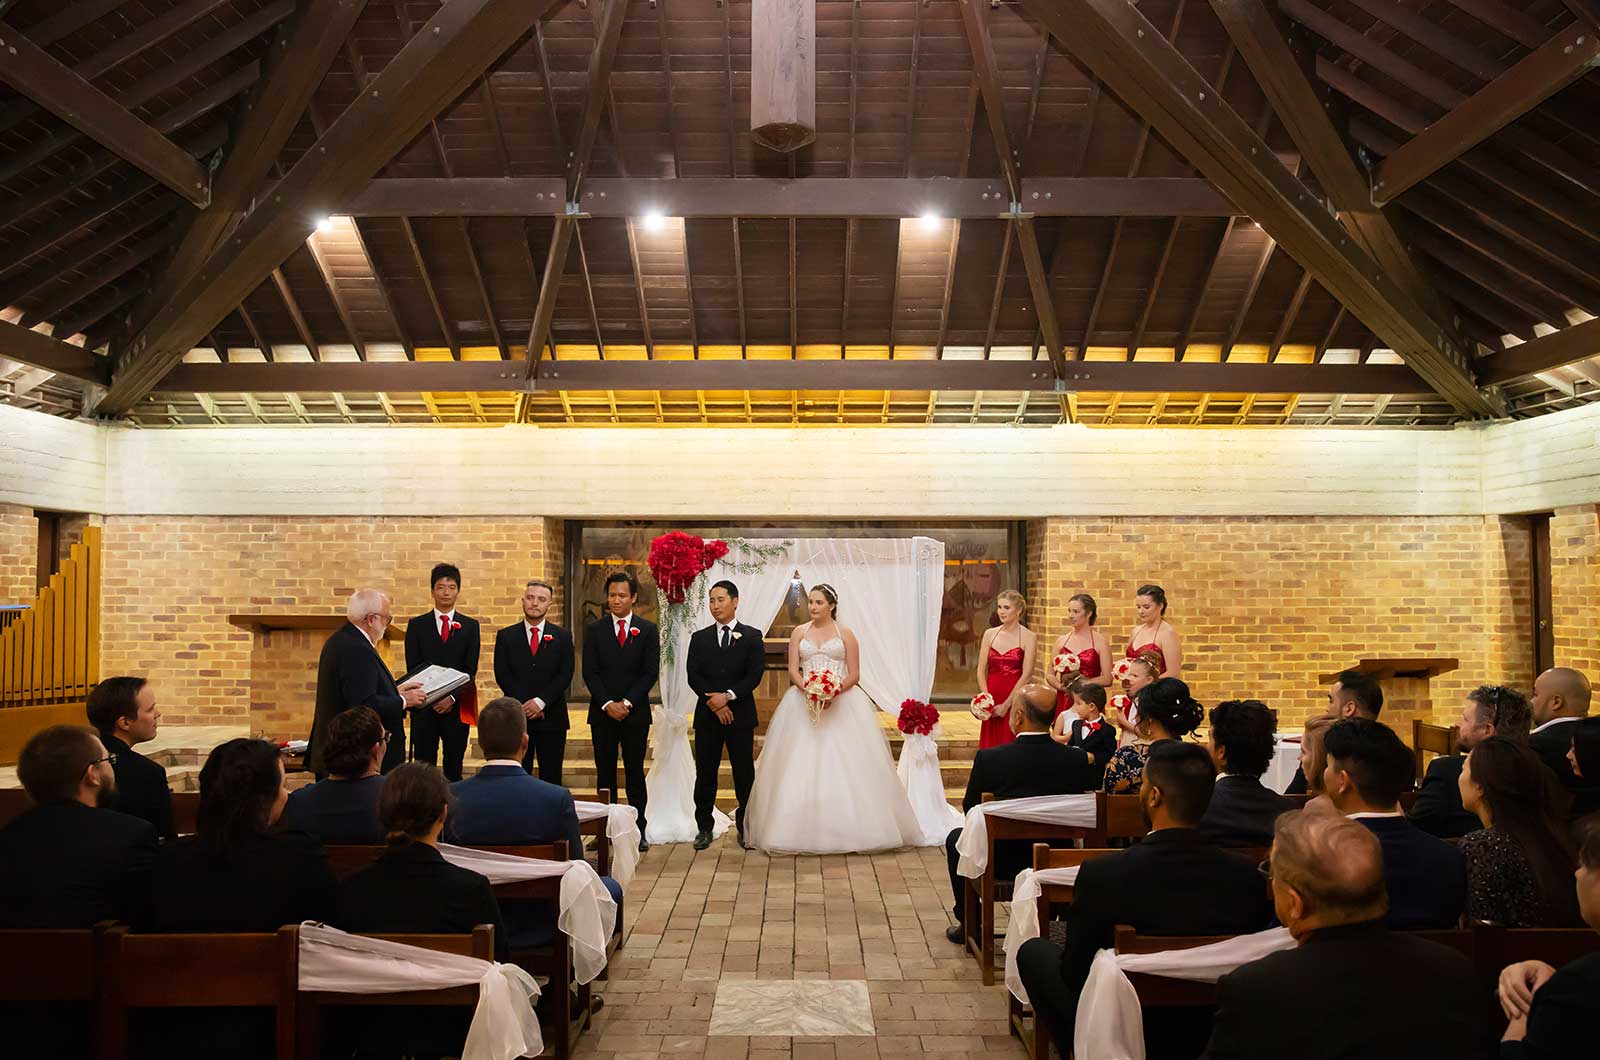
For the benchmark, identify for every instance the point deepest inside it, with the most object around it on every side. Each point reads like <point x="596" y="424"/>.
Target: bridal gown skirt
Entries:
<point x="828" y="788"/>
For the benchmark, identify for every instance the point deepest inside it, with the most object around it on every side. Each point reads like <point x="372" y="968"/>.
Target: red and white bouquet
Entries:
<point x="983" y="706"/>
<point x="1066" y="663"/>
<point x="917" y="718"/>
<point x="820" y="687"/>
<point x="1120" y="704"/>
<point x="1122" y="669"/>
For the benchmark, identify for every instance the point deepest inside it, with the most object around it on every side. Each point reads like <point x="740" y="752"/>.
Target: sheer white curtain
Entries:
<point x="671" y="779"/>
<point x="890" y="590"/>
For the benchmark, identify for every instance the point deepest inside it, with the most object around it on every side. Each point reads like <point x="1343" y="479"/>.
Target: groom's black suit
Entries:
<point x="736" y="668"/>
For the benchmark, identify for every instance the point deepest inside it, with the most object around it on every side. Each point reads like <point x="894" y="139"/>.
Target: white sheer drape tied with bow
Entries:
<point x="1024" y="922"/>
<point x="1075" y="811"/>
<point x="622" y="828"/>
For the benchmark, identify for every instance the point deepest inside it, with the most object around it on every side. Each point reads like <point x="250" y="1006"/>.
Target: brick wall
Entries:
<point x="171" y="583"/>
<point x="19" y="555"/>
<point x="1575" y="586"/>
<point x="1266" y="605"/>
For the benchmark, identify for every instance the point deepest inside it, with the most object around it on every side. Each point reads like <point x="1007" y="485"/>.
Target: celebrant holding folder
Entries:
<point x="351" y="673"/>
<point x="444" y="637"/>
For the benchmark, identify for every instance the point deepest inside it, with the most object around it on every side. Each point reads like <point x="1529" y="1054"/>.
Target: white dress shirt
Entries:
<point x="1548" y="724"/>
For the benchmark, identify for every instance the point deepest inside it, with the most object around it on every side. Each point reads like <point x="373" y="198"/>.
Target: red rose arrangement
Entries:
<point x="917" y="718"/>
<point x="820" y="688"/>
<point x="1066" y="663"/>
<point x="676" y="559"/>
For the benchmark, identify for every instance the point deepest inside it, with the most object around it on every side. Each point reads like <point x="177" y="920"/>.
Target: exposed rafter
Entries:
<point x="1567" y="346"/>
<point x="52" y="355"/>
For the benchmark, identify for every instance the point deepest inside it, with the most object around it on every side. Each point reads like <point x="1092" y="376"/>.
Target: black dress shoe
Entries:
<point x="955" y="934"/>
<point x="644" y="845"/>
<point x="742" y="844"/>
<point x="702" y="840"/>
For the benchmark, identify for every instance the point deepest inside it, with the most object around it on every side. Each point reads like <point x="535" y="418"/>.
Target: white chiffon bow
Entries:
<point x="1110" y="1023"/>
<point x="622" y="828"/>
<point x="588" y="913"/>
<point x="1076" y="811"/>
<point x="504" y="1025"/>
<point x="1024" y="922"/>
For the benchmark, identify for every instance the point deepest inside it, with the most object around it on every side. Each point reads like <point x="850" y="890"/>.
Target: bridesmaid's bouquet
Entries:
<point x="917" y="718"/>
<point x="820" y="687"/>
<point x="1119" y="705"/>
<point x="1066" y="663"/>
<point x="1121" y="669"/>
<point x="983" y="706"/>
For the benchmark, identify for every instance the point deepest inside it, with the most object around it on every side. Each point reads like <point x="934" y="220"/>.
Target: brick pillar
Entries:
<point x="1575" y="586"/>
<point x="19" y="554"/>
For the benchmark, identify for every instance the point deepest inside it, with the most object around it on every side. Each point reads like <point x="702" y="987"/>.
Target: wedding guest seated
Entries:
<point x="1492" y="710"/>
<point x="1030" y="765"/>
<point x="502" y="805"/>
<point x="1560" y="699"/>
<point x="1085" y="726"/>
<point x="67" y="862"/>
<point x="1584" y="755"/>
<point x="1551" y="1011"/>
<point x="1378" y="994"/>
<point x="236" y="874"/>
<point x="1173" y="882"/>
<point x="1314" y="761"/>
<point x="1353" y="694"/>
<point x="1166" y="711"/>
<point x="412" y="889"/>
<point x="1519" y="865"/>
<point x="1368" y="767"/>
<point x="343" y="807"/>
<point x="123" y="710"/>
<point x="1242" y="811"/>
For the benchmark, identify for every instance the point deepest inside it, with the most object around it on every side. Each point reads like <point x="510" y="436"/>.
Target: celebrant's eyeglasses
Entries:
<point x="1265" y="868"/>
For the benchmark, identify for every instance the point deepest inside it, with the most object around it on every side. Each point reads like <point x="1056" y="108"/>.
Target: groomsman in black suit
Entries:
<point x="351" y="673"/>
<point x="443" y="637"/>
<point x="621" y="660"/>
<point x="533" y="665"/>
<point x="725" y="664"/>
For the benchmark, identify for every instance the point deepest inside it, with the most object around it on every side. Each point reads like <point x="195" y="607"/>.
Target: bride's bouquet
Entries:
<point x="983" y="706"/>
<point x="820" y="686"/>
<point x="1066" y="664"/>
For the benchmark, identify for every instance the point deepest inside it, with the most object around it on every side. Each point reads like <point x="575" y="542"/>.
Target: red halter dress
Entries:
<point x="1088" y="666"/>
<point x="1005" y="670"/>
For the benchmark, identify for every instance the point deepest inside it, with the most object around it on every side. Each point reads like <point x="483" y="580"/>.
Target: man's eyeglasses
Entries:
<point x="1265" y="868"/>
<point x="109" y="759"/>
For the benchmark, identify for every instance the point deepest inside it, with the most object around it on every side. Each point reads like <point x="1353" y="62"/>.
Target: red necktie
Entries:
<point x="444" y="628"/>
<point x="622" y="633"/>
<point x="533" y="640"/>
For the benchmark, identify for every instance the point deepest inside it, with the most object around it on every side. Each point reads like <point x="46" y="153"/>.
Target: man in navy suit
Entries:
<point x="443" y="637"/>
<point x="351" y="673"/>
<point x="621" y="660"/>
<point x="501" y="805"/>
<point x="533" y="665"/>
<point x="1243" y="813"/>
<point x="725" y="664"/>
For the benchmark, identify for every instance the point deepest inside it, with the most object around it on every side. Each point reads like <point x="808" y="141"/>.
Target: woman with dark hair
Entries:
<point x="235" y="874"/>
<point x="1087" y="643"/>
<point x="1519" y="865"/>
<point x="1154" y="633"/>
<point x="1584" y="754"/>
<point x="1166" y="712"/>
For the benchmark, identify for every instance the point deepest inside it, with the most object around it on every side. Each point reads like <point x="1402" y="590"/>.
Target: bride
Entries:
<point x="829" y="786"/>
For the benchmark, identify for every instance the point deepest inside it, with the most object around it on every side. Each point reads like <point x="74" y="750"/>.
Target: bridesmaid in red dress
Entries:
<point x="1005" y="655"/>
<point x="1153" y="636"/>
<point x="1090" y="646"/>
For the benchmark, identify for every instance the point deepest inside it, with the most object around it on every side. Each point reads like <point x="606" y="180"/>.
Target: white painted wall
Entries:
<point x="976" y="472"/>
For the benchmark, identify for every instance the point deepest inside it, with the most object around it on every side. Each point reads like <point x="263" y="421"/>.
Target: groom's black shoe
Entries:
<point x="955" y="934"/>
<point x="742" y="844"/>
<point x="644" y="846"/>
<point x="702" y="840"/>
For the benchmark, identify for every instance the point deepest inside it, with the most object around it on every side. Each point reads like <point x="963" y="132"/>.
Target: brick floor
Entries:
<point x="726" y="914"/>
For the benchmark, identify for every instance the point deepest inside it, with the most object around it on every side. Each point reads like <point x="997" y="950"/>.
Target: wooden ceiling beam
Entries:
<point x="431" y="70"/>
<point x="1181" y="346"/>
<point x="787" y="375"/>
<point x="482" y="284"/>
<point x="296" y="63"/>
<point x="1290" y="315"/>
<point x="1136" y="339"/>
<point x="1249" y="297"/>
<point x="1563" y="59"/>
<point x="52" y="355"/>
<point x="292" y="306"/>
<point x="86" y="285"/>
<point x="330" y="284"/>
<point x="1120" y="46"/>
<point x="1002" y="273"/>
<point x="18" y="290"/>
<point x="383" y="290"/>
<point x="446" y="330"/>
<point x="974" y="16"/>
<point x="1567" y="346"/>
<point x="638" y="289"/>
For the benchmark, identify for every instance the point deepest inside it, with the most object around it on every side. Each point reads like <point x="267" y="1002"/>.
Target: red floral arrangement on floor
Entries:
<point x="917" y="718"/>
<point x="677" y="559"/>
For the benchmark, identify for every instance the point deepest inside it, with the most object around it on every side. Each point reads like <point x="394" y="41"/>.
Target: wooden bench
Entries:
<point x="980" y="895"/>
<point x="1430" y="739"/>
<point x="197" y="971"/>
<point x="45" y="967"/>
<point x="185" y="812"/>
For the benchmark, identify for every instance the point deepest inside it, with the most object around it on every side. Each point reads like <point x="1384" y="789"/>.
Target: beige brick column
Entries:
<point x="1575" y="586"/>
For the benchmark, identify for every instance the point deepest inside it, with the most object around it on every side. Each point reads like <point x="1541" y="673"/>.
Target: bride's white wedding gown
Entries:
<point x="829" y="787"/>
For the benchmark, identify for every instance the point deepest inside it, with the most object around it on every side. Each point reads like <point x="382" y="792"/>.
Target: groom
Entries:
<point x="725" y="664"/>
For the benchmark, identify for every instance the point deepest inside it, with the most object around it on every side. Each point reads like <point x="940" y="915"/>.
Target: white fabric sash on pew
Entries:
<point x="503" y="1024"/>
<point x="1076" y="811"/>
<point x="588" y="913"/>
<point x="1110" y="1023"/>
<point x="1024" y="922"/>
<point x="622" y="828"/>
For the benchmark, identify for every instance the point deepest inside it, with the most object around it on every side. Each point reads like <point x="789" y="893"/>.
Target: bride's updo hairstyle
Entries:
<point x="830" y="595"/>
<point x="1168" y="703"/>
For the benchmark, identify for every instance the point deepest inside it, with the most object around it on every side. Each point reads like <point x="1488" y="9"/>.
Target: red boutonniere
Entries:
<point x="633" y="631"/>
<point x="454" y="626"/>
<point x="548" y="638"/>
<point x="1091" y="726"/>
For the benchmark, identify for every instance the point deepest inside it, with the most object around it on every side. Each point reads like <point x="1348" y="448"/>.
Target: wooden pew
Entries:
<point x="1430" y="739"/>
<point x="50" y="968"/>
<point x="185" y="812"/>
<point x="980" y="895"/>
<point x="197" y="971"/>
<point x="310" y="1003"/>
<point x="14" y="802"/>
<point x="1119" y="817"/>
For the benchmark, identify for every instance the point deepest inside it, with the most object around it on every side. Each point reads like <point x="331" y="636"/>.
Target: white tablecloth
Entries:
<point x="1024" y="923"/>
<point x="503" y="1025"/>
<point x="588" y="914"/>
<point x="1076" y="811"/>
<point x="622" y="828"/>
<point x="1285" y="760"/>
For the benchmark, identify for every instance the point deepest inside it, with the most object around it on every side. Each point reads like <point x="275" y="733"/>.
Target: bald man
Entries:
<point x="1560" y="696"/>
<point x="351" y="673"/>
<point x="1376" y="992"/>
